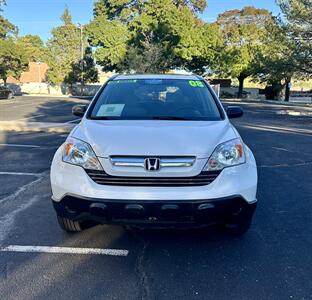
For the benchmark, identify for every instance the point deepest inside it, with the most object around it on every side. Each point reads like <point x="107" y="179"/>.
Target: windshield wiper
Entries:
<point x="170" y="118"/>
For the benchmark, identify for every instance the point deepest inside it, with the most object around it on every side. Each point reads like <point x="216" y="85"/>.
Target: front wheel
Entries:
<point x="69" y="225"/>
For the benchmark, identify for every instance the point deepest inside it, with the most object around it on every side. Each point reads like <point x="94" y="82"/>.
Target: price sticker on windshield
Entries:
<point x="196" y="83"/>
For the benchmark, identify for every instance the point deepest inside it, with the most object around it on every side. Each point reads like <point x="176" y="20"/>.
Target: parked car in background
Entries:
<point x="5" y="93"/>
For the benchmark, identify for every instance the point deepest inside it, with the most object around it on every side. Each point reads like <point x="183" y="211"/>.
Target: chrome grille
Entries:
<point x="165" y="162"/>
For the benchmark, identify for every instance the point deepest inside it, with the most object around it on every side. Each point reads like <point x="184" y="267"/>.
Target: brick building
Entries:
<point x="36" y="73"/>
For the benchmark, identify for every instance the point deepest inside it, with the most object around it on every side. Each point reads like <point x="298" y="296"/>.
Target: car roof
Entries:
<point x="157" y="76"/>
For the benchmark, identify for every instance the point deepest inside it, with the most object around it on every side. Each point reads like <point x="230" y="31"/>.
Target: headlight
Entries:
<point x="80" y="153"/>
<point x="230" y="153"/>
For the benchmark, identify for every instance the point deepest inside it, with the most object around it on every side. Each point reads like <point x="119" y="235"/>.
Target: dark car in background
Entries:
<point x="5" y="93"/>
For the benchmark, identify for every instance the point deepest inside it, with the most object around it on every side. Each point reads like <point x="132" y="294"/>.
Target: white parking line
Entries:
<point x="282" y="149"/>
<point x="35" y="116"/>
<point x="72" y="121"/>
<point x="19" y="145"/>
<point x="19" y="173"/>
<point x="64" y="250"/>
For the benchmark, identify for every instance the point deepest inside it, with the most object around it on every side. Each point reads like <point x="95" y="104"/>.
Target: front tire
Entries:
<point x="69" y="225"/>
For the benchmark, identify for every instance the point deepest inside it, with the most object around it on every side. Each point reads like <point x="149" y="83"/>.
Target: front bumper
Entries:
<point x="67" y="179"/>
<point x="111" y="211"/>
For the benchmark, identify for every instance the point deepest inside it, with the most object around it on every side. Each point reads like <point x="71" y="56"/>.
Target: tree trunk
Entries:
<point x="5" y="81"/>
<point x="240" y="87"/>
<point x="287" y="89"/>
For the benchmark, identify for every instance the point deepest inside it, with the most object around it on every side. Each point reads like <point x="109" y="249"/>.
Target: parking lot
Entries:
<point x="272" y="261"/>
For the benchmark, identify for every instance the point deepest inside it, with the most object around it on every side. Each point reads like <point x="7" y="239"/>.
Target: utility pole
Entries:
<point x="39" y="75"/>
<point x="81" y="58"/>
<point x="39" y="71"/>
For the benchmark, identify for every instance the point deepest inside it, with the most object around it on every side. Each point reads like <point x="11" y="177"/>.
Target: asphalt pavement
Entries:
<point x="272" y="261"/>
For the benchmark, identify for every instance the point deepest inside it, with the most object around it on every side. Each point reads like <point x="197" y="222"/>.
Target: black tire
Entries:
<point x="238" y="228"/>
<point x="10" y="96"/>
<point x="69" y="225"/>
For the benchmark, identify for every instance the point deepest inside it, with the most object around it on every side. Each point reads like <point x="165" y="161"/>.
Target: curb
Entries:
<point x="36" y="127"/>
<point x="45" y="95"/>
<point x="276" y="102"/>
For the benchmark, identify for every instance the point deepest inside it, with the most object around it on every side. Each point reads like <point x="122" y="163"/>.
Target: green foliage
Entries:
<point x="126" y="10"/>
<point x="63" y="50"/>
<point x="194" y="5"/>
<point x="33" y="47"/>
<point x="298" y="23"/>
<point x="243" y="32"/>
<point x="209" y="46"/>
<point x="7" y="29"/>
<point x="152" y="36"/>
<point x="110" y="38"/>
<point x="12" y="59"/>
<point x="149" y="58"/>
<point x="275" y="64"/>
<point x="66" y="17"/>
<point x="84" y="70"/>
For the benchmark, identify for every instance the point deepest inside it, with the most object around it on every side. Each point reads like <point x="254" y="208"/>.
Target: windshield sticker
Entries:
<point x="196" y="83"/>
<point x="110" y="110"/>
<point x="122" y="81"/>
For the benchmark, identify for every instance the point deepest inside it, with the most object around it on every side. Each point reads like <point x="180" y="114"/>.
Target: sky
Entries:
<point x="40" y="16"/>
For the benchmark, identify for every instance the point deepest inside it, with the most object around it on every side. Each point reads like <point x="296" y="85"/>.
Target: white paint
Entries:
<point x="35" y="116"/>
<point x="282" y="149"/>
<point x="19" y="174"/>
<point x="20" y="145"/>
<point x="14" y="204"/>
<point x="21" y="190"/>
<point x="65" y="250"/>
<point x="8" y="220"/>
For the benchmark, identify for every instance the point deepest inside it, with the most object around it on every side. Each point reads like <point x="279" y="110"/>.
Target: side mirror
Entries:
<point x="79" y="110"/>
<point x="234" y="112"/>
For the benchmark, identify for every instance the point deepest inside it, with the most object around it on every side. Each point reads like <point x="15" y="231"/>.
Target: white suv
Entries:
<point x="154" y="149"/>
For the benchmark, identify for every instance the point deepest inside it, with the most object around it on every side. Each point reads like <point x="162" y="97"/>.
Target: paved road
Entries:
<point x="272" y="261"/>
<point x="38" y="109"/>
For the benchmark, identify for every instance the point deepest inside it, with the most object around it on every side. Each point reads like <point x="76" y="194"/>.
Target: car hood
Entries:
<point x="154" y="138"/>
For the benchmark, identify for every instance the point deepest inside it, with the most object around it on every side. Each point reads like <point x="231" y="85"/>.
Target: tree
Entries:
<point x="150" y="36"/>
<point x="243" y="32"/>
<point x="298" y="24"/>
<point x="287" y="50"/>
<point x="33" y="47"/>
<point x="84" y="71"/>
<point x="63" y="50"/>
<point x="149" y="58"/>
<point x="126" y="10"/>
<point x="110" y="39"/>
<point x="275" y="64"/>
<point x="6" y="28"/>
<point x="12" y="59"/>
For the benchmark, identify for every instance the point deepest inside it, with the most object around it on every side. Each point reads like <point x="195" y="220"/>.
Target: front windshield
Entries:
<point x="152" y="99"/>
